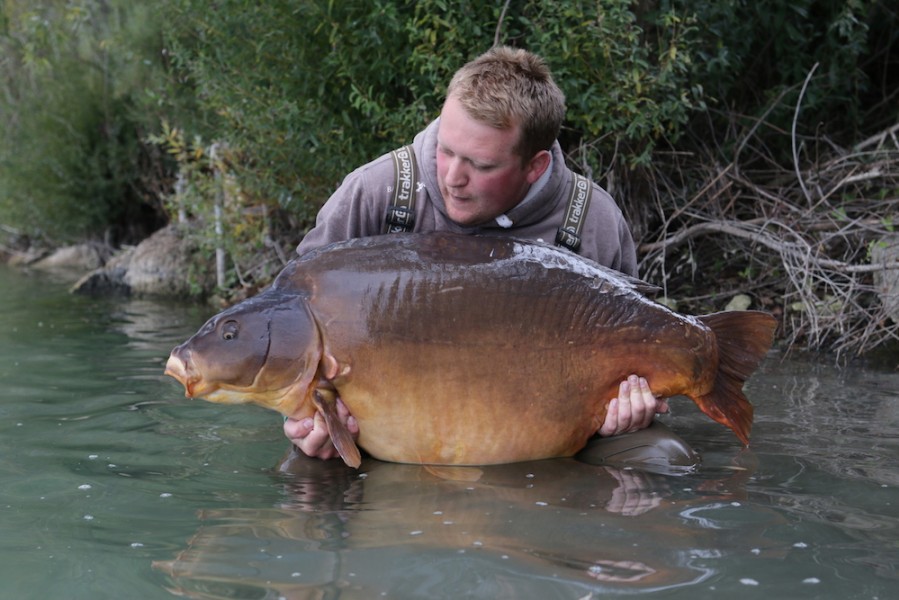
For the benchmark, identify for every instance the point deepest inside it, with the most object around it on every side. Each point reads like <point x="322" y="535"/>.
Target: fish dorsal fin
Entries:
<point x="325" y="401"/>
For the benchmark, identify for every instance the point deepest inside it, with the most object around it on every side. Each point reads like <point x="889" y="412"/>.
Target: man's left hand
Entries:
<point x="633" y="409"/>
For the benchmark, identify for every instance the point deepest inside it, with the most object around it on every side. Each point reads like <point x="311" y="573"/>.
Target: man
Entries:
<point x="489" y="164"/>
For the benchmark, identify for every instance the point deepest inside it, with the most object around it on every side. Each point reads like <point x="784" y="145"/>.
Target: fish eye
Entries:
<point x="229" y="330"/>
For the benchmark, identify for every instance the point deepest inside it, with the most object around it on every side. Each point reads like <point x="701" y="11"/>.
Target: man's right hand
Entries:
<point x="311" y="436"/>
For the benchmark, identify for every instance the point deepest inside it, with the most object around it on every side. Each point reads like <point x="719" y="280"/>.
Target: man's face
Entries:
<point x="480" y="176"/>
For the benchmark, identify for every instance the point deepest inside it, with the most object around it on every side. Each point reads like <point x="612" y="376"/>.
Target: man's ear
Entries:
<point x="537" y="166"/>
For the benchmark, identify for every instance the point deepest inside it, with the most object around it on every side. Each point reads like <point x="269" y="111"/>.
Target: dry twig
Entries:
<point x="807" y="230"/>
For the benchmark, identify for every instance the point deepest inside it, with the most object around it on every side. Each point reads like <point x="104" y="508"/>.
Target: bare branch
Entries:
<point x="748" y="231"/>
<point x="499" y="24"/>
<point x="793" y="131"/>
<point x="879" y="139"/>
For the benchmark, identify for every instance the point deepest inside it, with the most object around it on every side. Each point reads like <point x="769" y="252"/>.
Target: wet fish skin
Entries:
<point x="452" y="349"/>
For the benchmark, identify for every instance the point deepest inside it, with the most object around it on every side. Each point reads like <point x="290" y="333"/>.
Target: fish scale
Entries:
<point x="454" y="349"/>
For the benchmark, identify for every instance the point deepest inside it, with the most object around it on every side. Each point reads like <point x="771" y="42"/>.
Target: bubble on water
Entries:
<point x="88" y="517"/>
<point x="92" y="456"/>
<point x="800" y="545"/>
<point x="541" y="503"/>
<point x="84" y="486"/>
<point x="416" y="532"/>
<point x="748" y="581"/>
<point x="756" y="551"/>
<point x="735" y="504"/>
<point x="165" y="495"/>
<point x="296" y="574"/>
<point x="136" y="545"/>
<point x="811" y="580"/>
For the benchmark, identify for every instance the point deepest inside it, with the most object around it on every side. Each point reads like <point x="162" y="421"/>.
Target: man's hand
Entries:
<point x="633" y="409"/>
<point x="311" y="436"/>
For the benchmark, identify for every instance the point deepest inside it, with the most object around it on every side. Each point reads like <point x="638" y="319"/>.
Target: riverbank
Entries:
<point x="169" y="265"/>
<point x="162" y="265"/>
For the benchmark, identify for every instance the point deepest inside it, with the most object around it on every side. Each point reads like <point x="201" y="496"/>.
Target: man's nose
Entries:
<point x="456" y="175"/>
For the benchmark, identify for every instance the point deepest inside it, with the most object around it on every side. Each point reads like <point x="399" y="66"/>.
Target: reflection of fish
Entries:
<point x="464" y="350"/>
<point x="542" y="529"/>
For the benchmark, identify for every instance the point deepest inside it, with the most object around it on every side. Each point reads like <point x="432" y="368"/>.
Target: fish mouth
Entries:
<point x="178" y="368"/>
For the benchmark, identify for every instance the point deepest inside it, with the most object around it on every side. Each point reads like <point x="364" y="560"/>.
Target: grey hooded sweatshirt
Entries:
<point x="358" y="209"/>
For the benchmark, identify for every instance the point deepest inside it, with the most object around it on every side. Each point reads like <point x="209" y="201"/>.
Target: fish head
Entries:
<point x="264" y="351"/>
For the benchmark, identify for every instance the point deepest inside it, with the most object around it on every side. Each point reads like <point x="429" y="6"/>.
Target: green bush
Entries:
<point x="73" y="164"/>
<point x="303" y="91"/>
<point x="753" y="57"/>
<point x="310" y="90"/>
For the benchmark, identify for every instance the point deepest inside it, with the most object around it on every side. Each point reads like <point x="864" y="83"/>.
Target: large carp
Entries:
<point x="458" y="350"/>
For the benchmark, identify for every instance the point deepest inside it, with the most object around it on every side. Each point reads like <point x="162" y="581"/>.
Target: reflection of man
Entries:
<point x="632" y="496"/>
<point x="490" y="164"/>
<point x="620" y="571"/>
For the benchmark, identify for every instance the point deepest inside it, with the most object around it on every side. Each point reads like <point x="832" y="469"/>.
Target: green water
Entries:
<point x="112" y="485"/>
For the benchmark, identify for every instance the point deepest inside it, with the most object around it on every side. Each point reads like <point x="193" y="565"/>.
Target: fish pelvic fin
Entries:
<point x="325" y="401"/>
<point x="743" y="338"/>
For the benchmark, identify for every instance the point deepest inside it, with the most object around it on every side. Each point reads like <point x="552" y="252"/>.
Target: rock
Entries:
<point x="739" y="302"/>
<point x="107" y="280"/>
<point x="76" y="259"/>
<point x="26" y="257"/>
<point x="161" y="265"/>
<point x="158" y="266"/>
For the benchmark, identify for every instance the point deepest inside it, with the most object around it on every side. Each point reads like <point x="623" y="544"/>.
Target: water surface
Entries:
<point x="112" y="485"/>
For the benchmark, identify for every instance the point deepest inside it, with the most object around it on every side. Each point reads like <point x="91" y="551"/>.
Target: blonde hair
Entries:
<point x="505" y="87"/>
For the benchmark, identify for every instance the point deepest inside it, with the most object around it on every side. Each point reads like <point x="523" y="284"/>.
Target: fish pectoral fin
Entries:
<point x="326" y="402"/>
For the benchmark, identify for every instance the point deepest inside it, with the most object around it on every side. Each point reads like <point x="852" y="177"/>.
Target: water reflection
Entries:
<point x="556" y="528"/>
<point x="832" y="442"/>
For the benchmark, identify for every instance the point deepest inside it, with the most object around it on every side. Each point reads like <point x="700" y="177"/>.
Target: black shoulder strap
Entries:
<point x="569" y="235"/>
<point x="401" y="211"/>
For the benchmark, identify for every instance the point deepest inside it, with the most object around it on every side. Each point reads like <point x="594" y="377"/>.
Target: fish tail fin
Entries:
<point x="743" y="338"/>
